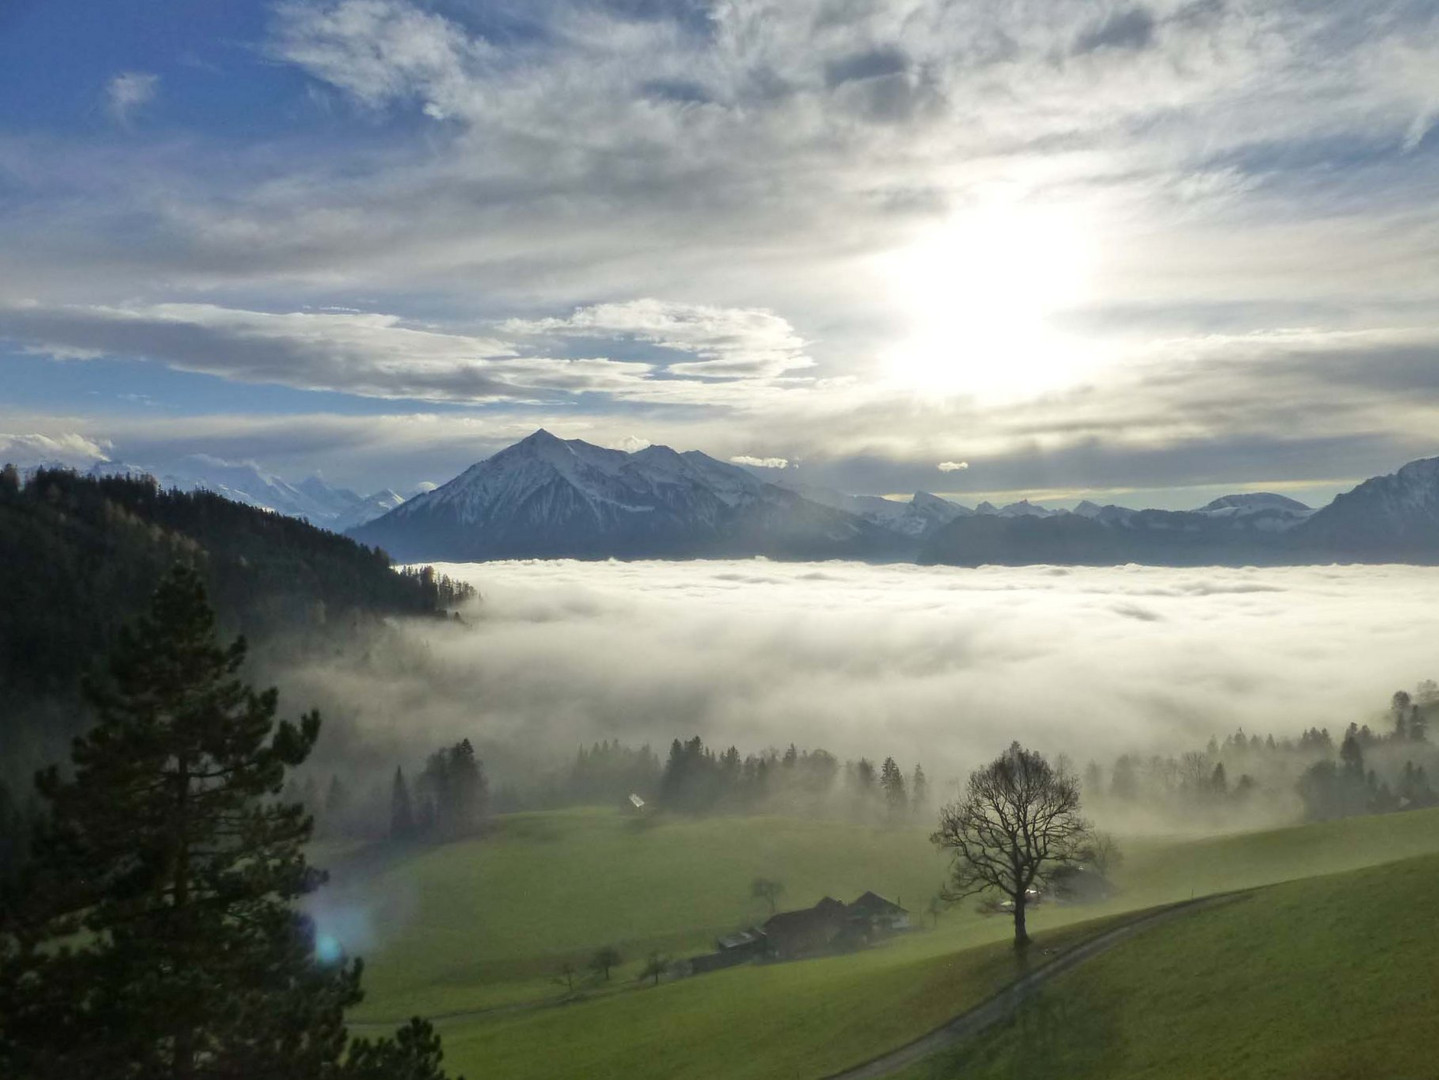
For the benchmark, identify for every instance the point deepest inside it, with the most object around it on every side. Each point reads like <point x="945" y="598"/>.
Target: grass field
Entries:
<point x="1329" y="978"/>
<point x="477" y="924"/>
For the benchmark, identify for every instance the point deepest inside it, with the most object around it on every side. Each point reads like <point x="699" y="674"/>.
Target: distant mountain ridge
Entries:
<point x="547" y="497"/>
<point x="312" y="499"/>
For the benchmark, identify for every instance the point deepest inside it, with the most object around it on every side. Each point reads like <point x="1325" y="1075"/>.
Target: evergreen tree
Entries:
<point x="154" y="935"/>
<point x="402" y="814"/>
<point x="919" y="791"/>
<point x="891" y="780"/>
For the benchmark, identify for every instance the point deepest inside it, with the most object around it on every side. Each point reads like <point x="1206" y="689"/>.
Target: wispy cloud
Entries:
<point x="760" y="462"/>
<point x="129" y="91"/>
<point x="952" y="466"/>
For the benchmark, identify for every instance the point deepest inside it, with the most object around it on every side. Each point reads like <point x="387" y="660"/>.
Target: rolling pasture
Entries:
<point x="1327" y="977"/>
<point x="474" y="933"/>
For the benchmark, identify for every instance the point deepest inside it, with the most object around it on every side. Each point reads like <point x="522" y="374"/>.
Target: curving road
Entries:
<point x="1005" y="1003"/>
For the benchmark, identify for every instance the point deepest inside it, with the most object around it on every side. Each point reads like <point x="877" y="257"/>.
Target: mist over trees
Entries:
<point x="1247" y="779"/>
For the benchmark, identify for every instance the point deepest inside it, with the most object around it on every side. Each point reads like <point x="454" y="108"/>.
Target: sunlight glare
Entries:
<point x="978" y="293"/>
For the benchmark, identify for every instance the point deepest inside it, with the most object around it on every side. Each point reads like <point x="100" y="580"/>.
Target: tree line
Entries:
<point x="1367" y="769"/>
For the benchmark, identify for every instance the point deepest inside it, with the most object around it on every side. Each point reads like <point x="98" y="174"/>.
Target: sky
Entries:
<point x="1144" y="253"/>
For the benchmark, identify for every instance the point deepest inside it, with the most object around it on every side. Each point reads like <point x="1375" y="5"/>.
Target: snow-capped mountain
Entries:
<point x="1256" y="502"/>
<point x="914" y="519"/>
<point x="1256" y="527"/>
<point x="1023" y="508"/>
<point x="1394" y="517"/>
<point x="551" y="497"/>
<point x="312" y="499"/>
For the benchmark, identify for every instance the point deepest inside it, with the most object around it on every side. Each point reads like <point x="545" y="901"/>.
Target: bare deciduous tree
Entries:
<point x="1018" y="822"/>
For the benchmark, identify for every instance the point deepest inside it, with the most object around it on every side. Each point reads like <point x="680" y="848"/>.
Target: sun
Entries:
<point x="979" y="294"/>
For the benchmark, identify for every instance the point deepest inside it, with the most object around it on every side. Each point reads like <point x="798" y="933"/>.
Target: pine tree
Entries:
<point x="155" y="936"/>
<point x="892" y="781"/>
<point x="919" y="792"/>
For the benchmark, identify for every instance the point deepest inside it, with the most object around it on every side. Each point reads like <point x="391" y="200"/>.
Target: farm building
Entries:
<point x="804" y="933"/>
<point x="878" y="914"/>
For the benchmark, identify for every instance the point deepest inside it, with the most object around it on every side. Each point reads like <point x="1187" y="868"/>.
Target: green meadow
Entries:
<point x="477" y="931"/>
<point x="1320" y="979"/>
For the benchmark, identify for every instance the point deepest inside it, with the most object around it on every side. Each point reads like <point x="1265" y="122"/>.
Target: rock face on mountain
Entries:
<point x="1389" y="518"/>
<point x="547" y="497"/>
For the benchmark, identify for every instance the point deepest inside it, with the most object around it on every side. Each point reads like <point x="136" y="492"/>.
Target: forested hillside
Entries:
<point x="79" y="556"/>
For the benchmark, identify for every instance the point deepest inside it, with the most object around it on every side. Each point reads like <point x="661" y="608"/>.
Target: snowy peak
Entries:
<point x="1255" y="502"/>
<point x="1025" y="508"/>
<point x="546" y="497"/>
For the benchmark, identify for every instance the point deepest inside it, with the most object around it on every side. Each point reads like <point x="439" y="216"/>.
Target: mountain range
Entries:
<point x="312" y="499"/>
<point x="547" y="497"/>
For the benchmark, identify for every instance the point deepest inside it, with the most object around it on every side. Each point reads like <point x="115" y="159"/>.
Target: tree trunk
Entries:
<point x="1021" y="936"/>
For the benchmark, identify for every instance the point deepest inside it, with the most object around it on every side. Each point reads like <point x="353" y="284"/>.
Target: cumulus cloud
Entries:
<point x="760" y="462"/>
<point x="952" y="466"/>
<point x="941" y="665"/>
<point x="129" y="91"/>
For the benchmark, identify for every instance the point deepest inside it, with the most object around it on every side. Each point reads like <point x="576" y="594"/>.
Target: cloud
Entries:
<point x="940" y="665"/>
<point x="63" y="448"/>
<point x="952" y="466"/>
<point x="380" y="355"/>
<point x="761" y="462"/>
<point x="729" y="342"/>
<point x="128" y="92"/>
<point x="680" y="210"/>
<point x="1132" y="28"/>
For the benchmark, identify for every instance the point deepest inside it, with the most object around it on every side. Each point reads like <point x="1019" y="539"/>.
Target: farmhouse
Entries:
<point x="804" y="933"/>
<point x="878" y="914"/>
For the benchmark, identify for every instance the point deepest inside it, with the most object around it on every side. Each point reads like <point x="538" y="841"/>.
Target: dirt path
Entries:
<point x="1005" y="1003"/>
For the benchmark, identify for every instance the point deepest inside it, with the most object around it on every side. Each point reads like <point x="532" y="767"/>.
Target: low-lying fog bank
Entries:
<point x="932" y="664"/>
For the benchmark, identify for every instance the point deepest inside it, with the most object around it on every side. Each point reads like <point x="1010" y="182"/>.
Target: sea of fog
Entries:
<point x="941" y="665"/>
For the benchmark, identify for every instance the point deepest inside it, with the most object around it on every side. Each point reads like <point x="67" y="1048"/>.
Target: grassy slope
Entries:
<point x="775" y="1020"/>
<point x="488" y="920"/>
<point x="1322" y="979"/>
<point x="479" y="923"/>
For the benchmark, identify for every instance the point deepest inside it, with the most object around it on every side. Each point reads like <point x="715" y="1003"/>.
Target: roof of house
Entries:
<point x="743" y="937"/>
<point x="826" y="911"/>
<point x="871" y="903"/>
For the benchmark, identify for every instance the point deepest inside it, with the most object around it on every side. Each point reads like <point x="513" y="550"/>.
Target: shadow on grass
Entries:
<point x="1056" y="1032"/>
